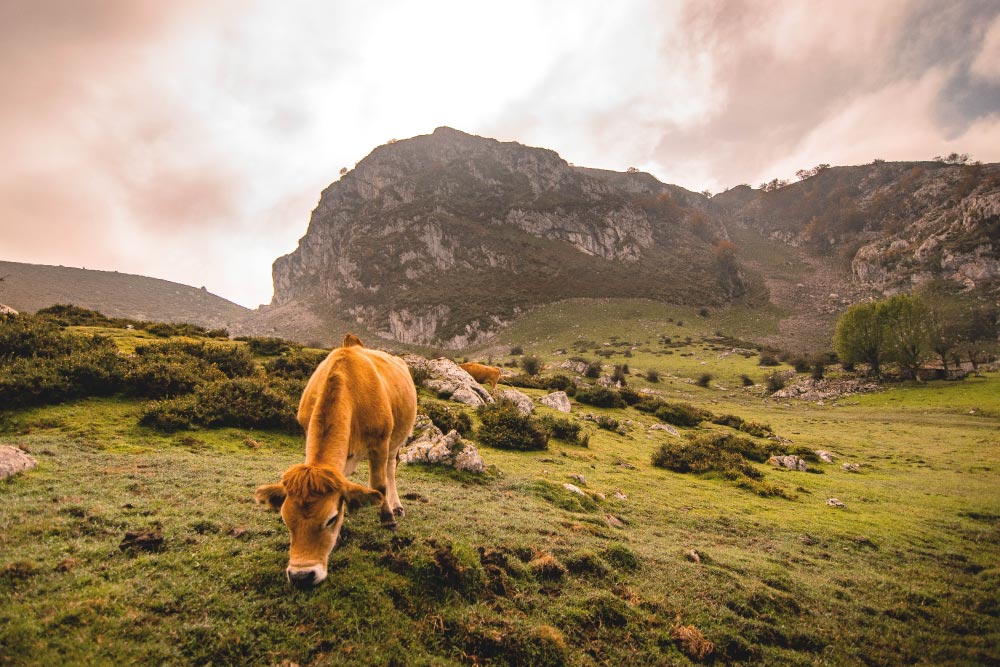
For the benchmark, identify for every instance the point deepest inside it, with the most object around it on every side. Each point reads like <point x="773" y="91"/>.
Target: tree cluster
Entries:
<point x="910" y="329"/>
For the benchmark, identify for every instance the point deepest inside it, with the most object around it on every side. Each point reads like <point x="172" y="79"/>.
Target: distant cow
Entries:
<point x="482" y="374"/>
<point x="359" y="403"/>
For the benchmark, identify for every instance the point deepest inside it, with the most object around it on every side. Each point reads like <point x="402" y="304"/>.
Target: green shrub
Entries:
<point x="239" y="402"/>
<point x="600" y="397"/>
<point x="560" y="383"/>
<point x="732" y="421"/>
<point x="593" y="370"/>
<point x="629" y="396"/>
<point x="531" y="365"/>
<point x="681" y="414"/>
<point x="747" y="380"/>
<point x="566" y="429"/>
<point x="163" y="376"/>
<point x="775" y="382"/>
<point x="448" y="418"/>
<point x="32" y="382"/>
<point x="652" y="375"/>
<point x="68" y="315"/>
<point x="420" y="376"/>
<point x="232" y="360"/>
<point x="609" y="424"/>
<point x="768" y="359"/>
<point x="504" y="427"/>
<point x="704" y="379"/>
<point x="517" y="350"/>
<point x="525" y="381"/>
<point x="267" y="346"/>
<point x="25" y="336"/>
<point x="300" y="365"/>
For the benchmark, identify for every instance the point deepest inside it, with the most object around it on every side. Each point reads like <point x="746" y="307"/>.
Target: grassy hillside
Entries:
<point x="510" y="567"/>
<point x="30" y="287"/>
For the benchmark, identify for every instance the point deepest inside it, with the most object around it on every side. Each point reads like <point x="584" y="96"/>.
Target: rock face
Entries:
<point x="442" y="239"/>
<point x="428" y="445"/>
<point x="557" y="400"/>
<point x="446" y="377"/>
<point x="790" y="461"/>
<point x="14" y="460"/>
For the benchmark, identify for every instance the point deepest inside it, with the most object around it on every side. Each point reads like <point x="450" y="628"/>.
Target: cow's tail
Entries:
<point x="330" y="422"/>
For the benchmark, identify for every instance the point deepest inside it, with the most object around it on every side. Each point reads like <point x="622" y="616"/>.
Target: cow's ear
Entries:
<point x="272" y="495"/>
<point x="358" y="496"/>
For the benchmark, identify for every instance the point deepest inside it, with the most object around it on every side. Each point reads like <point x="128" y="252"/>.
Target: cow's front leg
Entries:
<point x="378" y="461"/>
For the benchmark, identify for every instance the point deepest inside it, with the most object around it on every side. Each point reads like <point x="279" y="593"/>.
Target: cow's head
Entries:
<point x="312" y="500"/>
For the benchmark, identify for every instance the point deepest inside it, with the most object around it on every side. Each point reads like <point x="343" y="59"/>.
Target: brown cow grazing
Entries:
<point x="359" y="403"/>
<point x="482" y="374"/>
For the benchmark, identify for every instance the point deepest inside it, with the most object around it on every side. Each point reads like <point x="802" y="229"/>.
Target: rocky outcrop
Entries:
<point x="444" y="238"/>
<point x="448" y="379"/>
<point x="429" y="446"/>
<point x="790" y="461"/>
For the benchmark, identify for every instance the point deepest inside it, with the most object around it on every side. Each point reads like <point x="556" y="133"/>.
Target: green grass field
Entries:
<point x="511" y="568"/>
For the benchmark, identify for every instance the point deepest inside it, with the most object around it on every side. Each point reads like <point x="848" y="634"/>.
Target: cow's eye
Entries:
<point x="331" y="519"/>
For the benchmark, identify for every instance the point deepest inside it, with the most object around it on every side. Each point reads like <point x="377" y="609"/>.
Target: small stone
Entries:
<point x="824" y="456"/>
<point x="808" y="540"/>
<point x="852" y="467"/>
<point x="693" y="556"/>
<point x="579" y="478"/>
<point x="573" y="488"/>
<point x="614" y="522"/>
<point x="833" y="502"/>
<point x="620" y="496"/>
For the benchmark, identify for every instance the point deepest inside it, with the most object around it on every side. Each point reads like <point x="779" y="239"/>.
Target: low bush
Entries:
<point x="593" y="370"/>
<point x="517" y="350"/>
<point x="163" y="376"/>
<point x="531" y="365"/>
<point x="751" y="428"/>
<point x="565" y="429"/>
<point x="266" y="346"/>
<point x="561" y="383"/>
<point x="652" y="375"/>
<point x="503" y="426"/>
<point x="25" y="336"/>
<point x="232" y="360"/>
<point x="704" y="380"/>
<point x="775" y="382"/>
<point x="239" y="402"/>
<point x="629" y="396"/>
<point x="681" y="414"/>
<point x="747" y="381"/>
<point x="300" y="365"/>
<point x="768" y="359"/>
<point x="727" y="455"/>
<point x="609" y="424"/>
<point x="600" y="397"/>
<point x="525" y="381"/>
<point x="447" y="418"/>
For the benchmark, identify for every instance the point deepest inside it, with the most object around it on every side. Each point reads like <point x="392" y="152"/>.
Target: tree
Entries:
<point x="905" y="319"/>
<point x="861" y="336"/>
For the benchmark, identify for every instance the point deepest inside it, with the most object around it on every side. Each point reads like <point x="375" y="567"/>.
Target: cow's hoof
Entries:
<point x="388" y="520"/>
<point x="399" y="511"/>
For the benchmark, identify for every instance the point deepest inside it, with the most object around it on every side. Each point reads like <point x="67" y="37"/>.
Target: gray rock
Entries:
<point x="13" y="460"/>
<point x="430" y="446"/>
<point x="579" y="478"/>
<point x="557" y="400"/>
<point x="523" y="402"/>
<point x="7" y="310"/>
<point x="445" y="376"/>
<point x="791" y="462"/>
<point x="620" y="496"/>
<point x="824" y="456"/>
<point x="573" y="488"/>
<point x="833" y="502"/>
<point x="852" y="467"/>
<point x="665" y="427"/>
<point x="614" y="522"/>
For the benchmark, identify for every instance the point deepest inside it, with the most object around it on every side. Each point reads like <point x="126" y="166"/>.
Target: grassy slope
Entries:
<point x="905" y="574"/>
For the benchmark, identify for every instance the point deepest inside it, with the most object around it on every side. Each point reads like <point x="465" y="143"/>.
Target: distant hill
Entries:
<point x="442" y="239"/>
<point x="29" y="287"/>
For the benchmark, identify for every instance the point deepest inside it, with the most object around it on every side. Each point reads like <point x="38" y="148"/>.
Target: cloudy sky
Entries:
<point x="190" y="140"/>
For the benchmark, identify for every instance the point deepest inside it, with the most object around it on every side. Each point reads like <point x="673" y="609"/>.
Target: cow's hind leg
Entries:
<point x="378" y="464"/>
<point x="394" y="502"/>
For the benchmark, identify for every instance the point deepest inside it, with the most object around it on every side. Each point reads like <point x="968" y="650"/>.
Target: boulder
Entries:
<point x="824" y="456"/>
<point x="13" y="460"/>
<point x="446" y="377"/>
<point x="557" y="400"/>
<point x="522" y="401"/>
<point x="852" y="467"/>
<point x="791" y="462"/>
<point x="833" y="502"/>
<point x="573" y="488"/>
<point x="579" y="479"/>
<point x="7" y="310"/>
<point x="430" y="446"/>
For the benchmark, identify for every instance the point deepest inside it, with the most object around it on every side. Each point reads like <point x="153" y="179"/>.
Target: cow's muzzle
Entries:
<point x="306" y="577"/>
